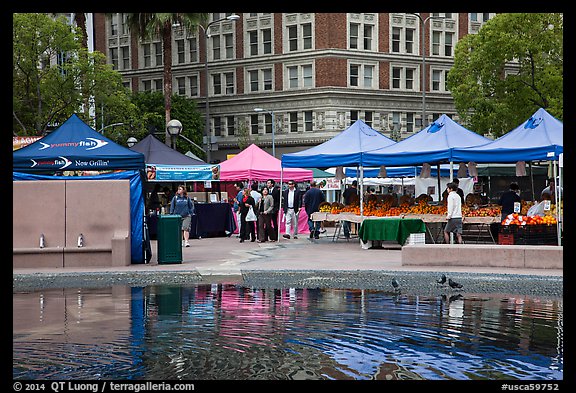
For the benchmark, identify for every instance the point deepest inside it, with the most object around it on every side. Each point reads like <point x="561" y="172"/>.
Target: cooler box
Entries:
<point x="169" y="240"/>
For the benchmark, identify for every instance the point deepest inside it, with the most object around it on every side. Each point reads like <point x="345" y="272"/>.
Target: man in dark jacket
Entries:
<point x="312" y="200"/>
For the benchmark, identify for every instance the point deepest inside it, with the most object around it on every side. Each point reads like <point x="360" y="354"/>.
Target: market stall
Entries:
<point x="540" y="138"/>
<point x="345" y="149"/>
<point x="75" y="151"/>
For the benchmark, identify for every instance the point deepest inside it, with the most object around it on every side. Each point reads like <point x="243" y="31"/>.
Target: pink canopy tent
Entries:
<point x="254" y="163"/>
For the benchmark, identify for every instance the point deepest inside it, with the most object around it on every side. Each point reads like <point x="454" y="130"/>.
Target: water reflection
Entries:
<point x="226" y="331"/>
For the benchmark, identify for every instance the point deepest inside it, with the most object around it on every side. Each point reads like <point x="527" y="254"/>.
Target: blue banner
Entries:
<point x="182" y="172"/>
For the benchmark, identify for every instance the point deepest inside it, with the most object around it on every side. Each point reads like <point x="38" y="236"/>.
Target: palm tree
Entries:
<point x="152" y="25"/>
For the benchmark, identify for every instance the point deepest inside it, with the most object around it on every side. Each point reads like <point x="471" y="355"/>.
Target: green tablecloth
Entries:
<point x="398" y="229"/>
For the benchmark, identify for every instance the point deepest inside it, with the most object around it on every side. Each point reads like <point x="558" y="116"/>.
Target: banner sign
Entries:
<point x="21" y="141"/>
<point x="157" y="172"/>
<point x="329" y="183"/>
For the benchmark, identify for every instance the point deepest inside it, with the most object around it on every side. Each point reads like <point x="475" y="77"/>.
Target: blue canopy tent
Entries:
<point x="540" y="138"/>
<point x="433" y="145"/>
<point x="346" y="149"/>
<point x="76" y="146"/>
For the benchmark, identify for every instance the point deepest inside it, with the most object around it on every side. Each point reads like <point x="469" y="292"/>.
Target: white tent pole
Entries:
<point x="557" y="202"/>
<point x="361" y="193"/>
<point x="278" y="220"/>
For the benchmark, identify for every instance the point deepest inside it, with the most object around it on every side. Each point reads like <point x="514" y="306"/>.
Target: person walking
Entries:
<point x="239" y="186"/>
<point x="453" y="214"/>
<point x="181" y="204"/>
<point x="265" y="208"/>
<point x="247" y="228"/>
<point x="274" y="190"/>
<point x="291" y="204"/>
<point x="312" y="200"/>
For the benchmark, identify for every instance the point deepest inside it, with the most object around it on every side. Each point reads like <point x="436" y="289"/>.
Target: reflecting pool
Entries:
<point x="231" y="332"/>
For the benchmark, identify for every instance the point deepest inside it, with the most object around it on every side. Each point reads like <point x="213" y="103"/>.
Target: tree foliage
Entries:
<point x="53" y="73"/>
<point x="509" y="69"/>
<point x="150" y="105"/>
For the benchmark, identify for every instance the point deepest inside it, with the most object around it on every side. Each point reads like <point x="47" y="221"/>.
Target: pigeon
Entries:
<point x="454" y="284"/>
<point x="442" y="280"/>
<point x="453" y="298"/>
<point x="395" y="284"/>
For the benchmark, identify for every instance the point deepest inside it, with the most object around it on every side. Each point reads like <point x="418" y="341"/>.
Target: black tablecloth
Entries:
<point x="211" y="220"/>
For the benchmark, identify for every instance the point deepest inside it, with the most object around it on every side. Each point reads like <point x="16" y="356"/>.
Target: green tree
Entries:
<point x="152" y="25"/>
<point x="151" y="111"/>
<point x="512" y="67"/>
<point x="52" y="73"/>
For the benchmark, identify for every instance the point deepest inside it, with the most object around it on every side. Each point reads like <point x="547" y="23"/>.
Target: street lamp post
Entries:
<point x="423" y="49"/>
<point x="273" y="128"/>
<point x="174" y="127"/>
<point x="206" y="31"/>
<point x="131" y="141"/>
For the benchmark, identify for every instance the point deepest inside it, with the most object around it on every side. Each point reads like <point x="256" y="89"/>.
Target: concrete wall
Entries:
<point x="64" y="209"/>
<point x="483" y="255"/>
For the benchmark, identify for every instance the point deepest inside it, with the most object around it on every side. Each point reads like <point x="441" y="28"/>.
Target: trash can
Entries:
<point x="169" y="239"/>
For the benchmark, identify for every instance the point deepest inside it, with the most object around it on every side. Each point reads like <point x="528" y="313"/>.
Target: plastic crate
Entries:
<point x="416" y="238"/>
<point x="537" y="235"/>
<point x="506" y="238"/>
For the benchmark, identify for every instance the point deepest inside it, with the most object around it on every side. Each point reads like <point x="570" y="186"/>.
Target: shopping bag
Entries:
<point x="251" y="216"/>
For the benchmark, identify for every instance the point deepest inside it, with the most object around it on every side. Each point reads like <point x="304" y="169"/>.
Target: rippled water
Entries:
<point x="226" y="331"/>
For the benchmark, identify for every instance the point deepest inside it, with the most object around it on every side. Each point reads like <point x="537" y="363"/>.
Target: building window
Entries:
<point x="158" y="85"/>
<point x="361" y="76"/>
<point x="474" y="17"/>
<point x="223" y="83"/>
<point x="368" y="118"/>
<point x="193" y="45"/>
<point x="253" y="42"/>
<point x="442" y="40"/>
<point x="158" y="53"/>
<point x="402" y="40"/>
<point x="217" y="126"/>
<point x="260" y="80"/>
<point x="403" y="78"/>
<point x="181" y="86"/>
<point x="307" y="120"/>
<point x="293" y="118"/>
<point x="147" y="85"/>
<point x="299" y="36"/>
<point x="260" y="42"/>
<point x="254" y="124"/>
<point x="268" y="123"/>
<point x="114" y="25"/>
<point x="229" y="42"/>
<point x="300" y="76"/>
<point x="353" y="116"/>
<point x="193" y="80"/>
<point x="439" y="78"/>
<point x="361" y="32"/>
<point x="180" y="52"/>
<point x="410" y="122"/>
<point x="114" y="57"/>
<point x="125" y="57"/>
<point x="216" y="47"/>
<point x="230" y="125"/>
<point x="147" y="55"/>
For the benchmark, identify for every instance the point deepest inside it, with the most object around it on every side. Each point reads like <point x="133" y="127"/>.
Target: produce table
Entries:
<point x="481" y="223"/>
<point x="398" y="229"/>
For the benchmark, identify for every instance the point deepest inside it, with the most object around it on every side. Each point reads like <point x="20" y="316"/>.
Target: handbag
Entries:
<point x="251" y="216"/>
